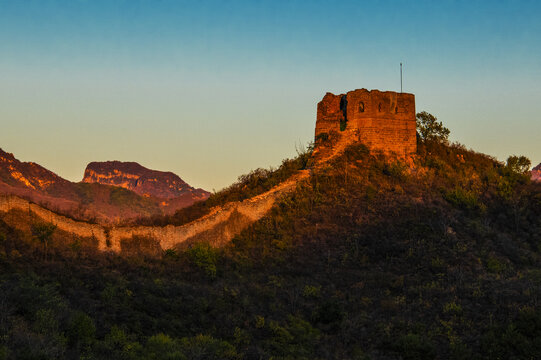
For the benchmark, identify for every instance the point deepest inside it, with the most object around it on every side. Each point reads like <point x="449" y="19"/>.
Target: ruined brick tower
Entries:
<point x="383" y="121"/>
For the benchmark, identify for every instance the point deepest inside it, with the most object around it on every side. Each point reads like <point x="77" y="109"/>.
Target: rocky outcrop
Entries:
<point x="536" y="173"/>
<point x="143" y="181"/>
<point x="29" y="175"/>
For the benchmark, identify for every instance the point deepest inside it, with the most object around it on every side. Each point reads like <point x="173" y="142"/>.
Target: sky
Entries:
<point x="214" y="89"/>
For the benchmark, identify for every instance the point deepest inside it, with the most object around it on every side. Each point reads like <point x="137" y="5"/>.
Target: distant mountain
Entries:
<point x="28" y="174"/>
<point x="36" y="183"/>
<point x="536" y="173"/>
<point x="87" y="200"/>
<point x="143" y="181"/>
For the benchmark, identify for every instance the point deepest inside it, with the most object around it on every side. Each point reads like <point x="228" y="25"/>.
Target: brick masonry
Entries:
<point x="382" y="120"/>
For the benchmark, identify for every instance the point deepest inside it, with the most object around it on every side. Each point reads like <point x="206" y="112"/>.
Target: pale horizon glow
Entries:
<point x="211" y="90"/>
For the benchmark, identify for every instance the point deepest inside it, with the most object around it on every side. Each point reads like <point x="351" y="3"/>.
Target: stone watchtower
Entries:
<point x="383" y="121"/>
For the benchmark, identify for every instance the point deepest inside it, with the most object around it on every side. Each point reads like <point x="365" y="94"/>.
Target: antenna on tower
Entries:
<point x="400" y="77"/>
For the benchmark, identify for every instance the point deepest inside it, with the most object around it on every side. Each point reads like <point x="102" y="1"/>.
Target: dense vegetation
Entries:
<point x="367" y="259"/>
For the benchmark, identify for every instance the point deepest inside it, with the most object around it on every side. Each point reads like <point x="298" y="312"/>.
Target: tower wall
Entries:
<point x="383" y="121"/>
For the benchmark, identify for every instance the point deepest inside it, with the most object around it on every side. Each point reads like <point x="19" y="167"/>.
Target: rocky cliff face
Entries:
<point x="536" y="173"/>
<point x="28" y="175"/>
<point x="143" y="181"/>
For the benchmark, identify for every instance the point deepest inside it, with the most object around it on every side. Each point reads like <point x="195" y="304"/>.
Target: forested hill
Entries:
<point x="367" y="259"/>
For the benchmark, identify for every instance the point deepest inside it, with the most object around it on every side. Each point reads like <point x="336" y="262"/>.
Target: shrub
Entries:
<point x="204" y="257"/>
<point x="205" y="347"/>
<point x="162" y="346"/>
<point x="295" y="340"/>
<point x="494" y="265"/>
<point x="452" y="308"/>
<point x="119" y="345"/>
<point x="170" y="254"/>
<point x="43" y="232"/>
<point x="322" y="138"/>
<point x="415" y="347"/>
<point x="463" y="199"/>
<point x="311" y="291"/>
<point x="81" y="329"/>
<point x="395" y="169"/>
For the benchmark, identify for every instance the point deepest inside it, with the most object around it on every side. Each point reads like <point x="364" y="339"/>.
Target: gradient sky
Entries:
<point x="213" y="89"/>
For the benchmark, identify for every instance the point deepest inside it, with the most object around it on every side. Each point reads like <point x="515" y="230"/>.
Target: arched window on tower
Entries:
<point x="361" y="107"/>
<point x="379" y="107"/>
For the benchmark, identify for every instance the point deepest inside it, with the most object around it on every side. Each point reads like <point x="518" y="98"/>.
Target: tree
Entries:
<point x="429" y="129"/>
<point x="519" y="164"/>
<point x="43" y="232"/>
<point x="515" y="172"/>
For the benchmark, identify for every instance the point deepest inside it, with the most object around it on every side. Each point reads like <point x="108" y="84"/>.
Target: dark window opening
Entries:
<point x="396" y="110"/>
<point x="344" y="108"/>
<point x="361" y="107"/>
<point x="344" y="105"/>
<point x="379" y="107"/>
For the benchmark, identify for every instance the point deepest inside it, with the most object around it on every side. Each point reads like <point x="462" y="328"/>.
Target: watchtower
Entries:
<point x="382" y="120"/>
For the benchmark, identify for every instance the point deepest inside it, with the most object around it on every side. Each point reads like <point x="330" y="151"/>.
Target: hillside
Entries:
<point x="367" y="259"/>
<point x="91" y="200"/>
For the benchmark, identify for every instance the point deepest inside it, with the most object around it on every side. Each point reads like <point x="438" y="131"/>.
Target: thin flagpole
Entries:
<point x="400" y="77"/>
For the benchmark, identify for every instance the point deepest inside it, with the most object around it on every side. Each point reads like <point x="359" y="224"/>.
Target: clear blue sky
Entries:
<point x="213" y="89"/>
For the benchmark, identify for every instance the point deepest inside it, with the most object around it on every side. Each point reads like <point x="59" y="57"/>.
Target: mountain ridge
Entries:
<point x="88" y="200"/>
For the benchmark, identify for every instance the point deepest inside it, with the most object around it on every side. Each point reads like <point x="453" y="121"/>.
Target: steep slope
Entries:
<point x="536" y="173"/>
<point x="143" y="181"/>
<point x="436" y="261"/>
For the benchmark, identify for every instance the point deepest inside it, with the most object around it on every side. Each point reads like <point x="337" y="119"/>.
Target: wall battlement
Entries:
<point x="382" y="120"/>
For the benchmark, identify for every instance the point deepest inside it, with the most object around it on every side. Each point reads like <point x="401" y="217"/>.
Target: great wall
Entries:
<point x="384" y="121"/>
<point x="217" y="227"/>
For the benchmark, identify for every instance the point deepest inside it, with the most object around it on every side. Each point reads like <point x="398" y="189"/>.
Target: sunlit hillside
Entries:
<point x="369" y="258"/>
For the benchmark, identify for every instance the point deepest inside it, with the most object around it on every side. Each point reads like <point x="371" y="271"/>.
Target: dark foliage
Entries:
<point x="367" y="259"/>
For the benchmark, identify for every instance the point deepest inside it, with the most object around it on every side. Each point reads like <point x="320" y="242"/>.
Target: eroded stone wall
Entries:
<point x="79" y="228"/>
<point x="383" y="121"/>
<point x="218" y="227"/>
